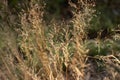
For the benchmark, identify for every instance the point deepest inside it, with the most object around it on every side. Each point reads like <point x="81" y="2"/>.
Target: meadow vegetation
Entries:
<point x="58" y="40"/>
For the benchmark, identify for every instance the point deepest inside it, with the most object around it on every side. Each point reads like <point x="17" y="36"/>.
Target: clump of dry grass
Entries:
<point x="52" y="49"/>
<point x="55" y="54"/>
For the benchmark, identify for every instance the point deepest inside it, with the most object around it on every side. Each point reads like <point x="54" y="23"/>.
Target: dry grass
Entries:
<point x="54" y="51"/>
